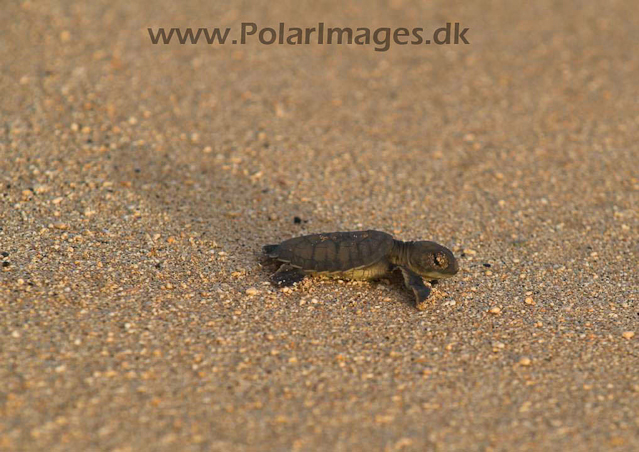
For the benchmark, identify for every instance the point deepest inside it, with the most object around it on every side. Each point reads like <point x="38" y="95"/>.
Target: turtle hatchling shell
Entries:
<point x="334" y="252"/>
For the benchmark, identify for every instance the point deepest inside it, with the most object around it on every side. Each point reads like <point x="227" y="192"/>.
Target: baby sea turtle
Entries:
<point x="363" y="255"/>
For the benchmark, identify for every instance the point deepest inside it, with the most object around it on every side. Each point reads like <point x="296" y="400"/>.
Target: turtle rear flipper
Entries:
<point x="269" y="250"/>
<point x="287" y="275"/>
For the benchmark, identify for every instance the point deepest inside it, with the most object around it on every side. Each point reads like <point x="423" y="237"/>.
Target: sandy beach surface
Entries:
<point x="138" y="183"/>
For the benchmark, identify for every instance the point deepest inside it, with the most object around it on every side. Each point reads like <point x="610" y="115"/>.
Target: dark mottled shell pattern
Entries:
<point x="334" y="252"/>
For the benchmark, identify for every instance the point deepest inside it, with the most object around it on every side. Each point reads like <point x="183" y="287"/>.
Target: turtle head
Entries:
<point x="432" y="261"/>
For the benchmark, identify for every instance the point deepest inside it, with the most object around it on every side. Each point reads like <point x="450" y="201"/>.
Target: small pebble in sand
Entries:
<point x="495" y="310"/>
<point x="525" y="407"/>
<point x="252" y="291"/>
<point x="628" y="334"/>
<point x="529" y="300"/>
<point x="524" y="361"/>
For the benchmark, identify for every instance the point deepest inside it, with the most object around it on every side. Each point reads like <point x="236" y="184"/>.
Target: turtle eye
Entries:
<point x="441" y="260"/>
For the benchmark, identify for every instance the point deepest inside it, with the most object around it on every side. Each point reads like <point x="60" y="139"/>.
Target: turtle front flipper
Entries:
<point x="416" y="283"/>
<point x="287" y="275"/>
